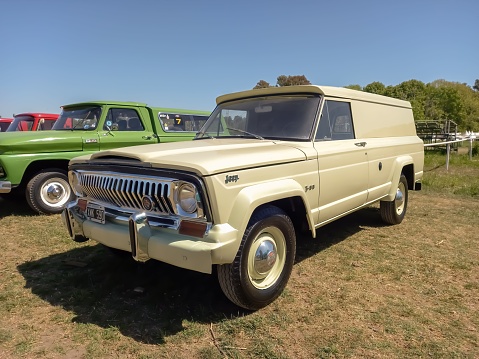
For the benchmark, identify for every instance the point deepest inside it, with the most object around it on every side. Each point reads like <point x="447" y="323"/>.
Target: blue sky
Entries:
<point x="181" y="53"/>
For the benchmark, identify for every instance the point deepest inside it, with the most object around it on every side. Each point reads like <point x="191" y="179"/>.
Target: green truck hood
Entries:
<point x="13" y="143"/>
<point x="204" y="157"/>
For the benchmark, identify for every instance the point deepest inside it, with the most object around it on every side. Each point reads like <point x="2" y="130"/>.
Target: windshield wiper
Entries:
<point x="81" y="121"/>
<point x="245" y="132"/>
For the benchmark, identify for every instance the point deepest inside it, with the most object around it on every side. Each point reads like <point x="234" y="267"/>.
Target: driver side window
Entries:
<point x="335" y="122"/>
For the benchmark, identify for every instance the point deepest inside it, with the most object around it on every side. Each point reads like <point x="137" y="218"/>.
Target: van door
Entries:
<point x="342" y="162"/>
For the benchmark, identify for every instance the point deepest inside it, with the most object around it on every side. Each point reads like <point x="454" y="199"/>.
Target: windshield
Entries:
<point x="4" y="123"/>
<point x="78" y="119"/>
<point x="285" y="117"/>
<point x="21" y="123"/>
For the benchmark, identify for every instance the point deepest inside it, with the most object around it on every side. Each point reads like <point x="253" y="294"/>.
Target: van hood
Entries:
<point x="204" y="157"/>
<point x="26" y="142"/>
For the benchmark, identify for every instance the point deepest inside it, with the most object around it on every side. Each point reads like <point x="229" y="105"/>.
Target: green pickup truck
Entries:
<point x="34" y="164"/>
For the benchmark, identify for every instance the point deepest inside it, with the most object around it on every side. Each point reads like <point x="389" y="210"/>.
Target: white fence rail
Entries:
<point x="448" y="147"/>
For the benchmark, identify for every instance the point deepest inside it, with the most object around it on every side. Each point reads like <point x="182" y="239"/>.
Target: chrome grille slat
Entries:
<point x="124" y="195"/>
<point x="117" y="191"/>
<point x="159" y="199"/>
<point x="166" y="193"/>
<point x="127" y="191"/>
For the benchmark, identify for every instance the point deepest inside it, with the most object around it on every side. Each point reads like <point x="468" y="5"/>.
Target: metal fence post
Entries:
<point x="448" y="151"/>
<point x="470" y="148"/>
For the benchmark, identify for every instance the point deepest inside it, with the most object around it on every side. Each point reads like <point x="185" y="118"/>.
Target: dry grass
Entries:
<point x="360" y="290"/>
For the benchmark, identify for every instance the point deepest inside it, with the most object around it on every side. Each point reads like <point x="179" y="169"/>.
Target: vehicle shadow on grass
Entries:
<point x="10" y="205"/>
<point x="151" y="301"/>
<point x="145" y="301"/>
<point x="336" y="232"/>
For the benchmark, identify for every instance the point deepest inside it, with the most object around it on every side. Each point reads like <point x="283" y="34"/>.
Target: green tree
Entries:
<point x="409" y="90"/>
<point x="476" y="85"/>
<point x="284" y="80"/>
<point x="292" y="80"/>
<point x="466" y="114"/>
<point x="445" y="102"/>
<point x="354" y="87"/>
<point x="375" y="87"/>
<point x="261" y="84"/>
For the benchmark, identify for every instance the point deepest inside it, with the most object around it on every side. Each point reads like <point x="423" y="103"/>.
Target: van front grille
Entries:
<point x="127" y="191"/>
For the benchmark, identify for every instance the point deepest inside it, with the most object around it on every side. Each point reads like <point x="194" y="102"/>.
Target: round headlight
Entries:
<point x="73" y="178"/>
<point x="187" y="197"/>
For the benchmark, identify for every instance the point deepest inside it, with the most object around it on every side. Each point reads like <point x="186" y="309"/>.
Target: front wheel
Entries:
<point x="393" y="212"/>
<point x="263" y="264"/>
<point x="48" y="192"/>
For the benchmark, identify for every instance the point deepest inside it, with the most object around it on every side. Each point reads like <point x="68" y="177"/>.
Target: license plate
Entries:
<point x="95" y="213"/>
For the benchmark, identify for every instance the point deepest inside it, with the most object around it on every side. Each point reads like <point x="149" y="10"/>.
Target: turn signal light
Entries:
<point x="194" y="229"/>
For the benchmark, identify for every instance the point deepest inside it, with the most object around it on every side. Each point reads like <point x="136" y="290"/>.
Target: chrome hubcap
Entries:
<point x="265" y="257"/>
<point x="55" y="193"/>
<point x="399" y="200"/>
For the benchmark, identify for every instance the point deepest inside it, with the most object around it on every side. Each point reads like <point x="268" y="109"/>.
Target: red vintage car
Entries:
<point x="4" y="123"/>
<point x="32" y="121"/>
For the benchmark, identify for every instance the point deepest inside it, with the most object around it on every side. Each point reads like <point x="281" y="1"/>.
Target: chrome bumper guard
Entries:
<point x="5" y="186"/>
<point x="139" y="229"/>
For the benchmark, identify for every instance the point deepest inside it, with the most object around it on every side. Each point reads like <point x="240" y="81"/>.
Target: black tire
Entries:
<point x="252" y="282"/>
<point x="393" y="212"/>
<point x="48" y="192"/>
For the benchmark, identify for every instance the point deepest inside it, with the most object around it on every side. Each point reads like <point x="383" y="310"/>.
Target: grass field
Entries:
<point x="359" y="290"/>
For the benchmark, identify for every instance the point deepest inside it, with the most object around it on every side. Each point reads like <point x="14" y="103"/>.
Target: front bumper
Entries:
<point x="5" y="186"/>
<point x="147" y="240"/>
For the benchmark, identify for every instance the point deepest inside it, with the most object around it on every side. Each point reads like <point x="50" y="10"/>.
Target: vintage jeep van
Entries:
<point x="267" y="163"/>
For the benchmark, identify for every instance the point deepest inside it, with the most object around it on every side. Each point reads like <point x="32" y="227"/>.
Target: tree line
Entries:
<point x="439" y="100"/>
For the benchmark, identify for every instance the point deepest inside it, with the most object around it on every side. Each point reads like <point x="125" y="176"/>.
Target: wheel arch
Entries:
<point x="286" y="194"/>
<point x="42" y="165"/>
<point x="402" y="165"/>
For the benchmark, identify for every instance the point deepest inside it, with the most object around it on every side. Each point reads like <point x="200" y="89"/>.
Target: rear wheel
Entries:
<point x="393" y="212"/>
<point x="48" y="192"/>
<point x="263" y="264"/>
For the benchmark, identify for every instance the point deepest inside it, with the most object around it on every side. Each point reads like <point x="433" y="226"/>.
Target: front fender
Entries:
<point x="251" y="197"/>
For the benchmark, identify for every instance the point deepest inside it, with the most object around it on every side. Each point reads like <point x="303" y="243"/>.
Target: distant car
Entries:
<point x="4" y="123"/>
<point x="35" y="163"/>
<point x="32" y="121"/>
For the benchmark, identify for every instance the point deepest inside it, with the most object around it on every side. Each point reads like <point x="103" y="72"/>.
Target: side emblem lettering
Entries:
<point x="233" y="178"/>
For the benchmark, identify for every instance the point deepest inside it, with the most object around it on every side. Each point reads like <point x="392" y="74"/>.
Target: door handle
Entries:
<point x="149" y="137"/>
<point x="360" y="144"/>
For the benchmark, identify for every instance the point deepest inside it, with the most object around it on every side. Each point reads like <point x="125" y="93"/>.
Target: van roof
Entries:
<point x="329" y="91"/>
